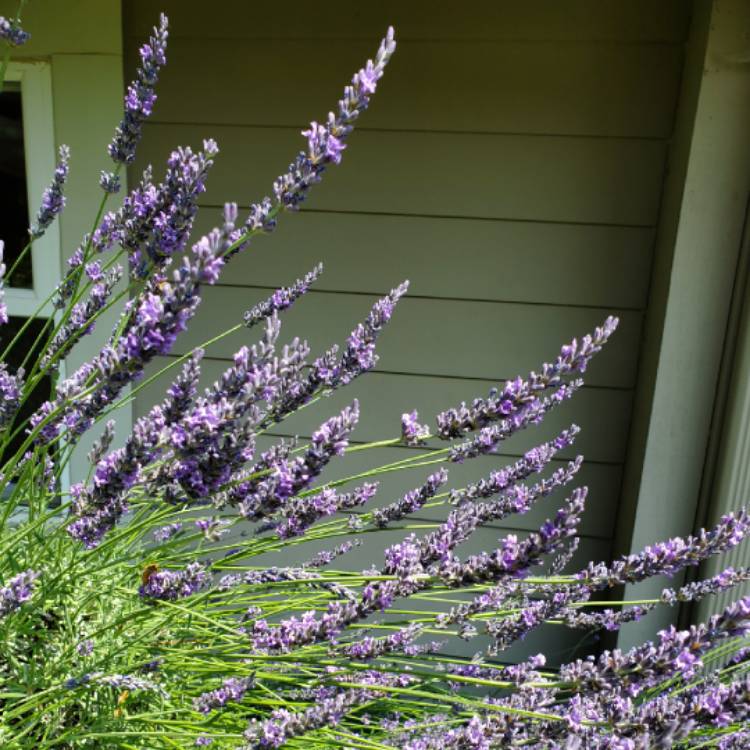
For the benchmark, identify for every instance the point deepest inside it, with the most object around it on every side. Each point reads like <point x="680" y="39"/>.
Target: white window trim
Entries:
<point x="40" y="153"/>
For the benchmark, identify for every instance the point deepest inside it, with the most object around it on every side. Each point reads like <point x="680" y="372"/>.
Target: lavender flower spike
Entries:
<point x="10" y="394"/>
<point x="82" y="318"/>
<point x="12" y="33"/>
<point x="284" y="725"/>
<point x="573" y="358"/>
<point x="140" y="98"/>
<point x="101" y="444"/>
<point x="666" y="558"/>
<point x="17" y="591"/>
<point x="282" y="298"/>
<point x="53" y="200"/>
<point x="359" y="355"/>
<point x="412" y="501"/>
<point x="412" y="432"/>
<point x="513" y="558"/>
<point x="651" y="663"/>
<point x="325" y="143"/>
<point x="165" y="533"/>
<point x="231" y="691"/>
<point x="171" y="585"/>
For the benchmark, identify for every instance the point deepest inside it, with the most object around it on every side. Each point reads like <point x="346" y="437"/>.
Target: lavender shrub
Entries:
<point x="134" y="611"/>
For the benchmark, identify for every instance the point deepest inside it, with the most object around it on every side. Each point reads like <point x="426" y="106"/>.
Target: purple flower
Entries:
<point x="17" y="591"/>
<point x="231" y="691"/>
<point x="170" y="585"/>
<point x="412" y="432"/>
<point x="301" y="512"/>
<point x="325" y="143"/>
<point x="12" y="33"/>
<point x="80" y="322"/>
<point x="109" y="182"/>
<point x="464" y="520"/>
<point x="98" y="508"/>
<point x="516" y="394"/>
<point x="487" y="439"/>
<point x="676" y="653"/>
<point x="154" y="222"/>
<point x="10" y="394"/>
<point x="326" y="557"/>
<point x="284" y="725"/>
<point x="167" y="532"/>
<point x="667" y="558"/>
<point x="287" y="477"/>
<point x="282" y="298"/>
<point x="370" y="648"/>
<point x="152" y="323"/>
<point x="359" y="355"/>
<point x="101" y="444"/>
<point x="514" y="558"/>
<point x="532" y="462"/>
<point x="140" y="96"/>
<point x="213" y="528"/>
<point x="53" y="200"/>
<point x="412" y="501"/>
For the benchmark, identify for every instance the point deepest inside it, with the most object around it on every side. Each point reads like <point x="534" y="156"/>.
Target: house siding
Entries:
<point x="511" y="166"/>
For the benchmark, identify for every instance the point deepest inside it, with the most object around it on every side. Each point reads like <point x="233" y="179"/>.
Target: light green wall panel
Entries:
<point x="642" y="21"/>
<point x="521" y="177"/>
<point x="514" y="87"/>
<point x="367" y="253"/>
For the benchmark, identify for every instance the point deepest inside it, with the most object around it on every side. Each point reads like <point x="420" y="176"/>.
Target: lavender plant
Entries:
<point x="134" y="608"/>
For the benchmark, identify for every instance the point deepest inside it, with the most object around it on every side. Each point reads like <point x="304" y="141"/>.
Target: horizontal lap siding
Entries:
<point x="369" y="253"/>
<point x="564" y="89"/>
<point x="511" y="167"/>
<point x="431" y="336"/>
<point x="492" y="176"/>
<point x="617" y="21"/>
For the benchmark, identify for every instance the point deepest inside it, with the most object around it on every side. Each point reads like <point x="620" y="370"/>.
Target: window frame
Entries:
<point x="35" y="79"/>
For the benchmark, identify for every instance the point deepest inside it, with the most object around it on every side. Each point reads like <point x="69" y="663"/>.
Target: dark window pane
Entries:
<point x="24" y="348"/>
<point x="14" y="216"/>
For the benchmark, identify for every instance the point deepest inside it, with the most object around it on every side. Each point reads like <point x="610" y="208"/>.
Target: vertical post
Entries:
<point x="698" y="247"/>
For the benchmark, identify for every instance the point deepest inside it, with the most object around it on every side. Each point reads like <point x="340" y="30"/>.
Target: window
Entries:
<point x="27" y="162"/>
